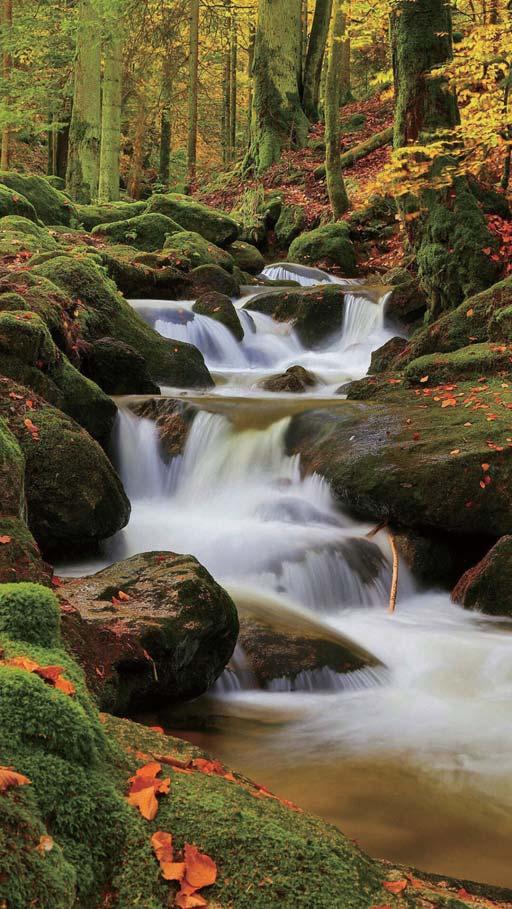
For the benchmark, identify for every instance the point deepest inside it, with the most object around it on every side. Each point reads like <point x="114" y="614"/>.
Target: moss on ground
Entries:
<point x="215" y="226"/>
<point x="463" y="364"/>
<point x="107" y="213"/>
<point x="20" y="558"/>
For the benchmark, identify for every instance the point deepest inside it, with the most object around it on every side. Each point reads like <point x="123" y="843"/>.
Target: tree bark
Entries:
<point x="137" y="166"/>
<point x="85" y="130"/>
<point x="278" y="121"/>
<point x="164" y="170"/>
<point x="233" y="65"/>
<point x="315" y="57"/>
<point x="335" y="183"/>
<point x="6" y="72"/>
<point x="193" y="69"/>
<point x="108" y="190"/>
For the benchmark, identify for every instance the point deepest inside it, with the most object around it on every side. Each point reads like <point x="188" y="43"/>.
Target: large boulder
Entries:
<point x="20" y="557"/>
<point x="90" y="216"/>
<point x="296" y="380"/>
<point x="12" y="203"/>
<point x="314" y="312"/>
<point x="291" y="223"/>
<point x="117" y="368"/>
<point x="74" y="497"/>
<point x="220" y="308"/>
<point x="151" y="276"/>
<point x="12" y="472"/>
<point x="247" y="257"/>
<point x="51" y="206"/>
<point x="21" y="289"/>
<point x="476" y="361"/>
<point x="103" y="312"/>
<point x="384" y="357"/>
<point x="209" y="278"/>
<point x="191" y="246"/>
<point x="488" y="586"/>
<point x="326" y="246"/>
<point x="147" y="232"/>
<point x="215" y="226"/>
<point x="167" y="638"/>
<point x="407" y="303"/>
<point x="21" y="238"/>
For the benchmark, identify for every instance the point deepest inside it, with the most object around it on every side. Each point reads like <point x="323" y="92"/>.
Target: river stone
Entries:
<point x="407" y="303"/>
<point x="168" y="642"/>
<point x="173" y="418"/>
<point x="488" y="586"/>
<point x="215" y="226"/>
<point x="117" y="368"/>
<point x="52" y="206"/>
<point x="296" y="380"/>
<point x="326" y="246"/>
<point x="147" y="232"/>
<point x="384" y="357"/>
<point x="314" y="312"/>
<point x="208" y="278"/>
<point x="247" y="257"/>
<point x="146" y="276"/>
<point x="220" y="308"/>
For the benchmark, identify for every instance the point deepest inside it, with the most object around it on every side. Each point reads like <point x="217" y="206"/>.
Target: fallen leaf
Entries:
<point x="424" y="379"/>
<point x="201" y="869"/>
<point x="46" y="844"/>
<point x="395" y="886"/>
<point x="145" y="787"/>
<point x="485" y="467"/>
<point x="5" y="539"/>
<point x="9" y="779"/>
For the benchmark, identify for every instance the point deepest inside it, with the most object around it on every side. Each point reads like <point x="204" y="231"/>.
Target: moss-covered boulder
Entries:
<point x="475" y="361"/>
<point x="12" y="203"/>
<point x="178" y="630"/>
<point x="20" y="558"/>
<point x="22" y="238"/>
<point x="208" y="278"/>
<point x="296" y="380"/>
<point x="173" y="418"/>
<point x="326" y="246"/>
<point x="395" y="457"/>
<point x="215" y="226"/>
<point x="292" y="221"/>
<point x="74" y="497"/>
<point x="375" y="221"/>
<point x="101" y="311"/>
<point x="147" y="232"/>
<point x="47" y="300"/>
<point x="12" y="472"/>
<point x="90" y="216"/>
<point x="384" y="357"/>
<point x="247" y="257"/>
<point x="51" y="205"/>
<point x="487" y="587"/>
<point x="147" y="276"/>
<point x="220" y="308"/>
<point x="314" y="312"/>
<point x="407" y="303"/>
<point x="197" y="251"/>
<point x="117" y="368"/>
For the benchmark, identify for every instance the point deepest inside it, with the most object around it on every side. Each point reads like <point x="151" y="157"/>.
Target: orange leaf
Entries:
<point x="162" y="845"/>
<point x="123" y="596"/>
<point x="173" y="871"/>
<point x="5" y="539"/>
<point x="189" y="901"/>
<point x="485" y="467"/>
<point x="53" y="675"/>
<point x="424" y="379"/>
<point x="145" y="787"/>
<point x="9" y="779"/>
<point x="46" y="844"/>
<point x="395" y="886"/>
<point x="201" y="869"/>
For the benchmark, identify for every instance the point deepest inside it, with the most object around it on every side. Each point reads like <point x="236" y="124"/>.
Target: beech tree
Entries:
<point x="108" y="190"/>
<point x="315" y="58"/>
<point x="333" y="87"/>
<point x="85" y="129"/>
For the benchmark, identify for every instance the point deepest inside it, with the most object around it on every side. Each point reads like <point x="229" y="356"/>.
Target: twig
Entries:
<point x="394" y="579"/>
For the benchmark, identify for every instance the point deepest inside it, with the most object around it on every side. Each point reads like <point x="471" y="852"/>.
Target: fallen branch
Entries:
<point x="379" y="140"/>
<point x="394" y="579"/>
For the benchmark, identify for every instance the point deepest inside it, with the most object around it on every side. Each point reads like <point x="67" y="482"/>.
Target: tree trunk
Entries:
<point x="250" y="64"/>
<point x="164" y="170"/>
<point x="137" y="166"/>
<point x="346" y="71"/>
<point x="111" y="115"/>
<point x="85" y="129"/>
<point x="335" y="184"/>
<point x="233" y="65"/>
<point x="445" y="226"/>
<point x="278" y="121"/>
<point x="193" y="69"/>
<point x="315" y="56"/>
<point x="6" y="72"/>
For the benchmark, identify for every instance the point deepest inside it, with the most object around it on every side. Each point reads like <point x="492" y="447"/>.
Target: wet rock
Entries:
<point x="436" y="559"/>
<point x="247" y="257"/>
<point x="74" y="497"/>
<point x="219" y="307"/>
<point x="147" y="232"/>
<point x="20" y="558"/>
<point x="327" y="245"/>
<point x="296" y="380"/>
<point x="173" y="419"/>
<point x="314" y="312"/>
<point x="488" y="586"/>
<point x="117" y="368"/>
<point x="207" y="278"/>
<point x="215" y="226"/>
<point x="408" y="301"/>
<point x="384" y="358"/>
<point x="167" y="638"/>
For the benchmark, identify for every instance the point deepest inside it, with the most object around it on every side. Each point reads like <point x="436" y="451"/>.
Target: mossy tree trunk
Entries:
<point x="315" y="56"/>
<point x="164" y="169"/>
<point x="278" y="121"/>
<point x="335" y="183"/>
<point x="137" y="164"/>
<point x="110" y="149"/>
<point x="446" y="227"/>
<point x="233" y="100"/>
<point x="6" y="73"/>
<point x="85" y="130"/>
<point x="193" y="71"/>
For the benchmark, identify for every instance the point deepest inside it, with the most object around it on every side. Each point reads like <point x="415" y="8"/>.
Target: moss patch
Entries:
<point x="329" y="245"/>
<point x="146" y="232"/>
<point x="215" y="226"/>
<point x="51" y="206"/>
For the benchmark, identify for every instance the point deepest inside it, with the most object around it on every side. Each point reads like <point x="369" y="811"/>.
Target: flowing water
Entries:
<point x="412" y="758"/>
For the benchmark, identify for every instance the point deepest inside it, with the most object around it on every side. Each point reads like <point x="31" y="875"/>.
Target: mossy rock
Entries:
<point x="103" y="312"/>
<point x="29" y="612"/>
<point x="407" y="303"/>
<point x="476" y="361"/>
<point x="207" y="278"/>
<point x="108" y="212"/>
<point x="292" y="222"/>
<point x="215" y="226"/>
<point x="353" y="123"/>
<point x="24" y="336"/>
<point x="487" y="587"/>
<point x="384" y="357"/>
<point x="19" y="237"/>
<point x="51" y="206"/>
<point x="74" y="497"/>
<point x="314" y="312"/>
<point x="117" y="368"/>
<point x="141" y="276"/>
<point x="57" y="182"/>
<point x="146" y="232"/>
<point x="44" y="298"/>
<point x="220" y="308"/>
<point x="13" y="203"/>
<point x="13" y="302"/>
<point x="198" y="251"/>
<point x="296" y="380"/>
<point x="12" y="472"/>
<point x="327" y="245"/>
<point x="247" y="257"/>
<point x="20" y="558"/>
<point x="375" y="219"/>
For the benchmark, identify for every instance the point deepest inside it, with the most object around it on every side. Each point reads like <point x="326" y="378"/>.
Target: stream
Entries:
<point x="414" y="761"/>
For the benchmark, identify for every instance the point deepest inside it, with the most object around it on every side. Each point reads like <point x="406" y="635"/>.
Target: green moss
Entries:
<point x="19" y="225"/>
<point x="13" y="203"/>
<point x="29" y="613"/>
<point x="12" y="469"/>
<point x="42" y="297"/>
<point x="92" y="215"/>
<point x="329" y="244"/>
<point x="215" y="226"/>
<point x="220" y="308"/>
<point x="291" y="223"/>
<point x="26" y="339"/>
<point x="475" y="361"/>
<point x="20" y="558"/>
<point x="198" y="251"/>
<point x="52" y="206"/>
<point x="247" y="257"/>
<point x="147" y="232"/>
<point x="11" y="301"/>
